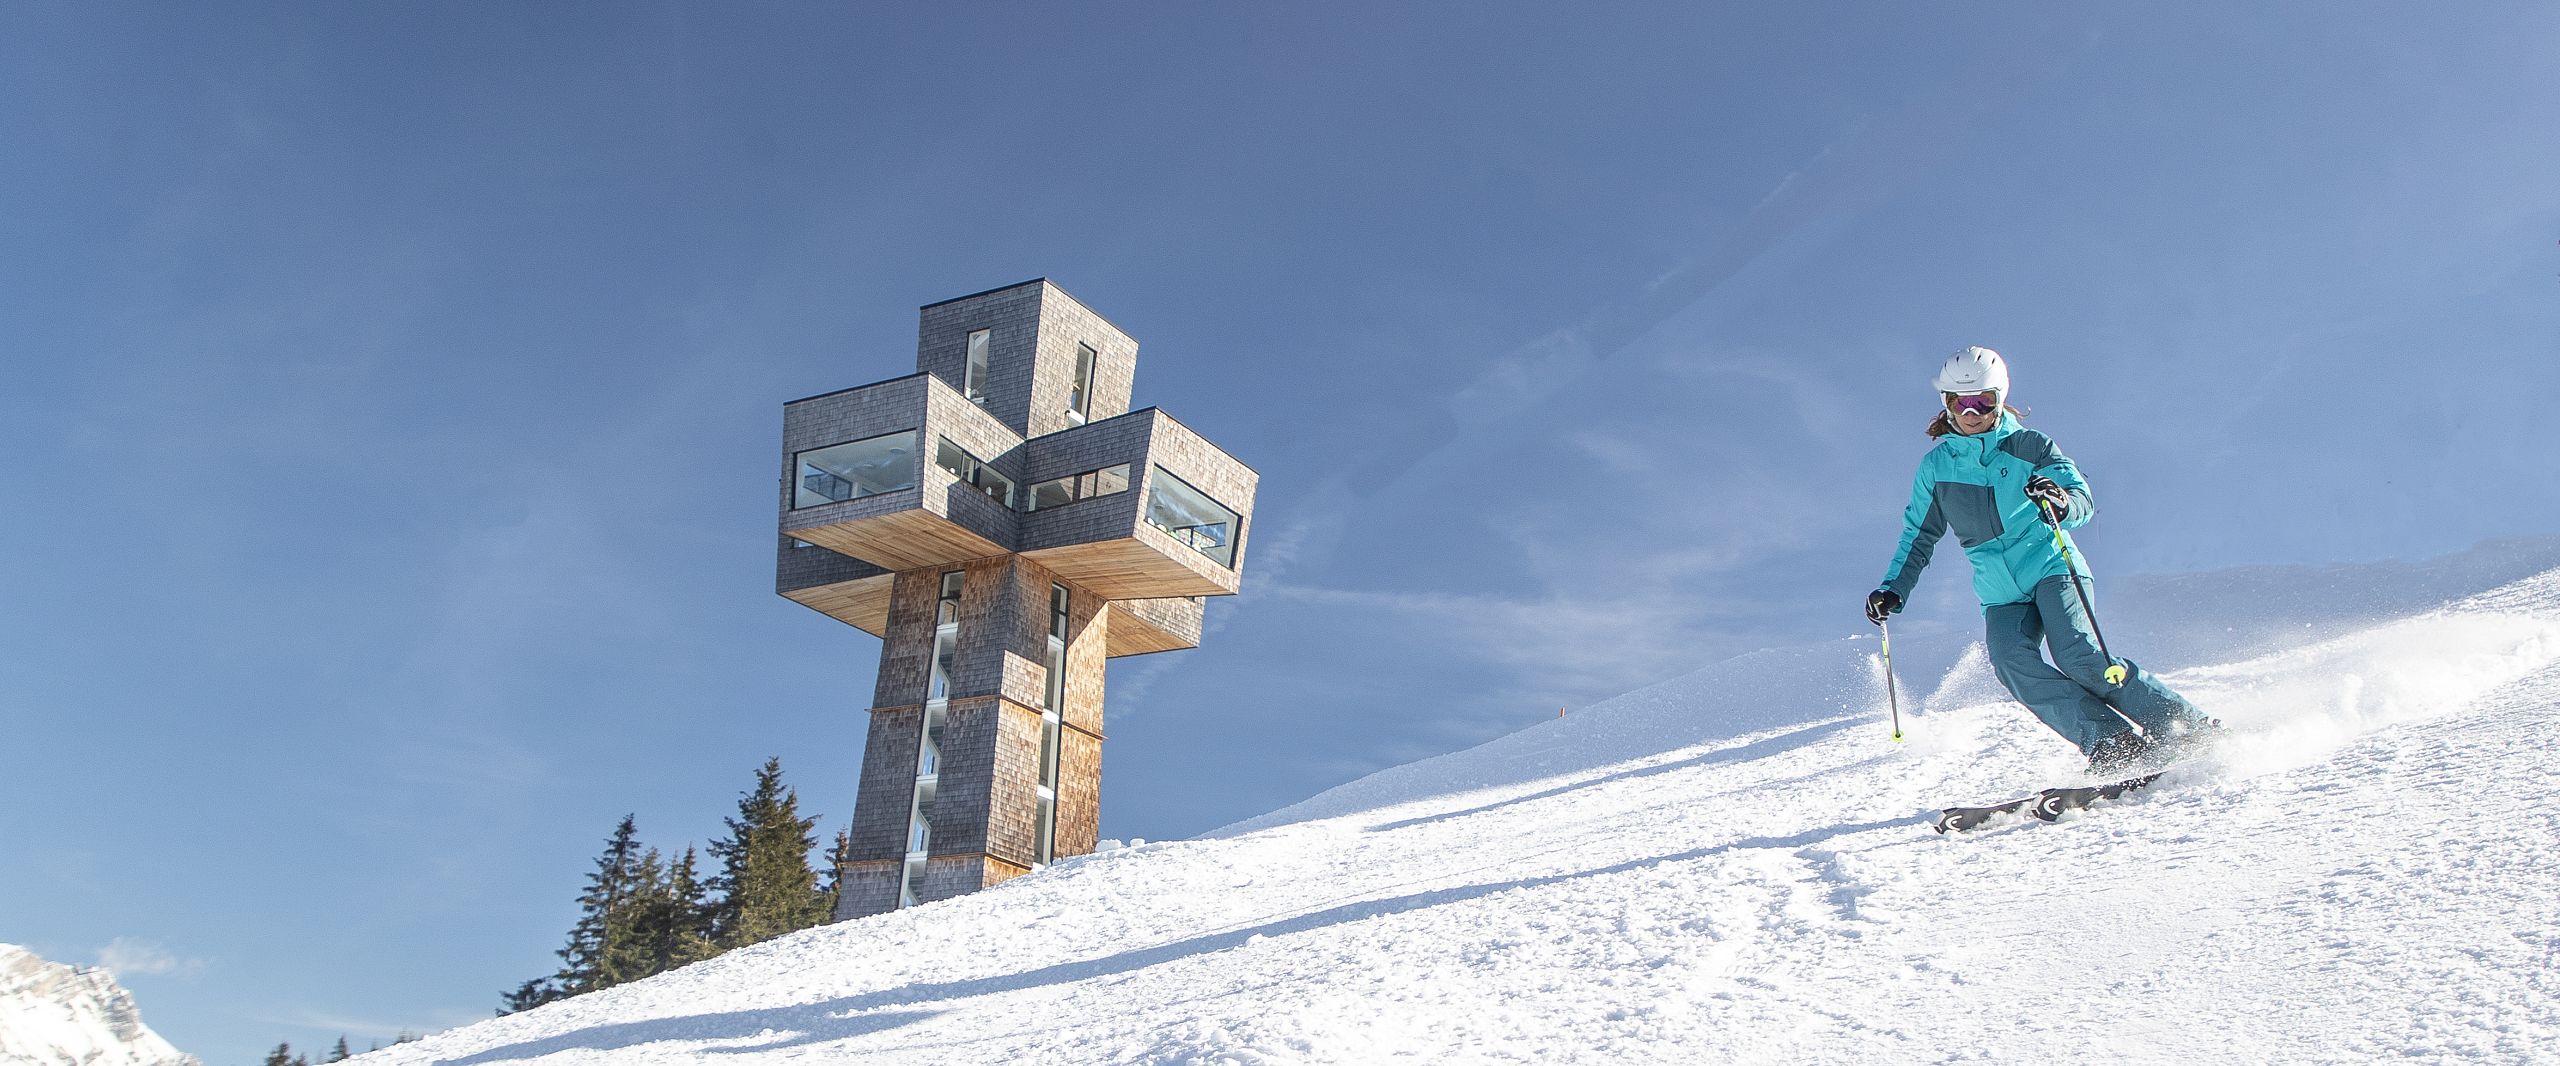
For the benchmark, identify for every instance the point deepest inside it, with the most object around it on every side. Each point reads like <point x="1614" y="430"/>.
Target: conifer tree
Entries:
<point x="529" y="995"/>
<point x="839" y="860"/>
<point x="675" y="926"/>
<point x="339" y="1053"/>
<point x="599" y="948"/>
<point x="766" y="886"/>
<point x="629" y="955"/>
<point x="282" y="1056"/>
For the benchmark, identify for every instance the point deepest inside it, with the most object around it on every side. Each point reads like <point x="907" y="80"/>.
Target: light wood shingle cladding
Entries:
<point x="877" y="562"/>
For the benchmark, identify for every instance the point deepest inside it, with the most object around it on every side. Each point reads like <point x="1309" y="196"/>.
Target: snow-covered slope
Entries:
<point x="1736" y="866"/>
<point x="57" y="1015"/>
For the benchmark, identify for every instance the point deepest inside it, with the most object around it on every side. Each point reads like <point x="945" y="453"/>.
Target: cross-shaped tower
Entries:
<point x="1004" y="523"/>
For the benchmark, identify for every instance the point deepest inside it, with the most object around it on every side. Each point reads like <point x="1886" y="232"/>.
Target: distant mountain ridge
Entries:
<point x="57" y="1015"/>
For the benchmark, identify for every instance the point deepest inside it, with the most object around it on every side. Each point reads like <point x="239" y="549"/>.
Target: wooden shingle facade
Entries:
<point x="1005" y="523"/>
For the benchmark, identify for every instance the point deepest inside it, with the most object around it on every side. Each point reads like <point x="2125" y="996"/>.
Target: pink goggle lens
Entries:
<point x="1980" y="402"/>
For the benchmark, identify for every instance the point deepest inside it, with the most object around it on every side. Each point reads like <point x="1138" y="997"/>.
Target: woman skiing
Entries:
<point x="2009" y="495"/>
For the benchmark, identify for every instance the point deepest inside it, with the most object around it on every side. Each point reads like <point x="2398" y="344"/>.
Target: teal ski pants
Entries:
<point x="2071" y="694"/>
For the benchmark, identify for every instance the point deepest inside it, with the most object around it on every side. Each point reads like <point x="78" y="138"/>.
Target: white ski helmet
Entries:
<point x="1975" y="369"/>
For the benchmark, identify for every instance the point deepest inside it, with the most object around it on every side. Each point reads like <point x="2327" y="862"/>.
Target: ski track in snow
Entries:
<point x="2369" y="868"/>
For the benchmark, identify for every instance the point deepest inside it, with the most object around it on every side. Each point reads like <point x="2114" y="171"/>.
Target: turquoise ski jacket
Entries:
<point x="1977" y="486"/>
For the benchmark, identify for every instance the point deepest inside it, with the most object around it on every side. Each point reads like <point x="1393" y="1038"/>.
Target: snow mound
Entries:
<point x="57" y="1015"/>
<point x="1736" y="866"/>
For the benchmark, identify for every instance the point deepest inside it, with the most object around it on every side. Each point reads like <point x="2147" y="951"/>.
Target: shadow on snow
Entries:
<point x="1739" y="753"/>
<point x="851" y="1016"/>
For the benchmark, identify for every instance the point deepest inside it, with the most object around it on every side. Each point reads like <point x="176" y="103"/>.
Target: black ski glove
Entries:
<point x="2043" y="490"/>
<point x="1880" y="603"/>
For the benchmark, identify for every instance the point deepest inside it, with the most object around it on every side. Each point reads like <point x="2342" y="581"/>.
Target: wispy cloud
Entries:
<point x="1573" y="640"/>
<point x="1570" y="645"/>
<point x="1274" y="554"/>
<point x="129" y="957"/>
<point x="1645" y="551"/>
<point x="1512" y="383"/>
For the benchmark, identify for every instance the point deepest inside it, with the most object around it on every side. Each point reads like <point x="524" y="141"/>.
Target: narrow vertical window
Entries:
<point x="946" y="636"/>
<point x="1052" y="718"/>
<point x="974" y="385"/>
<point x="1057" y="695"/>
<point x="946" y="641"/>
<point x="1080" y="399"/>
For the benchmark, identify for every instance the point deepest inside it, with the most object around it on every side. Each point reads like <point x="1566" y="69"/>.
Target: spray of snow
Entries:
<point x="2299" y="707"/>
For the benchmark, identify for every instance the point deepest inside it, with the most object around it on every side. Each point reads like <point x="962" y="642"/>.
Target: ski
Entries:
<point x="2047" y="805"/>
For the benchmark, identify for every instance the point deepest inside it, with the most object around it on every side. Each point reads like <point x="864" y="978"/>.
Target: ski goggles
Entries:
<point x="1975" y="402"/>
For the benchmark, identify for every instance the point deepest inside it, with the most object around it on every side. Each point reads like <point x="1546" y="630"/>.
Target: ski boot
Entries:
<point x="2119" y="754"/>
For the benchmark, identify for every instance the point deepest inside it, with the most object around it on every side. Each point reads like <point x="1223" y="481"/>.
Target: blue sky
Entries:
<point x="392" y="395"/>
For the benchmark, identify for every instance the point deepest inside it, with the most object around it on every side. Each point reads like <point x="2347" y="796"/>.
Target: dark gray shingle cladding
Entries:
<point x="1003" y="522"/>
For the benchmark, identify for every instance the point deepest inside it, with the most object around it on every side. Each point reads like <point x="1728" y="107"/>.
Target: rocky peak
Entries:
<point x="57" y="1015"/>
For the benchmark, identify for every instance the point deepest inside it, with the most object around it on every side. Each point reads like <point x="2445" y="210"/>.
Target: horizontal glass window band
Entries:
<point x="1190" y="516"/>
<point x="1058" y="492"/>
<point x="973" y="471"/>
<point x="854" y="469"/>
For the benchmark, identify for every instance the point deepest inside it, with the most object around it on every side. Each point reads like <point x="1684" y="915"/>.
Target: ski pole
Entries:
<point x="2115" y="673"/>
<point x="1891" y="700"/>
